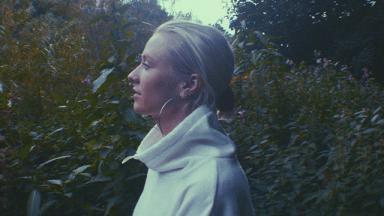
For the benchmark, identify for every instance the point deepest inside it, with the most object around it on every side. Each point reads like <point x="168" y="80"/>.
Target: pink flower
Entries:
<point x="86" y="80"/>
<point x="241" y="114"/>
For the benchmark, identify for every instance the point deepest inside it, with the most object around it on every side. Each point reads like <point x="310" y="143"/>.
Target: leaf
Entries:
<point x="96" y="122"/>
<point x="77" y="171"/>
<point x="238" y="70"/>
<point x="101" y="79"/>
<point x="33" y="206"/>
<point x="52" y="160"/>
<point x="374" y="118"/>
<point x="111" y="203"/>
<point x="369" y="130"/>
<point x="104" y="153"/>
<point x="69" y="195"/>
<point x="127" y="159"/>
<point x="80" y="169"/>
<point x="112" y="59"/>
<point x="136" y="176"/>
<point x="1" y="87"/>
<point x="377" y="110"/>
<point x="55" y="131"/>
<point x="55" y="182"/>
<point x="2" y="30"/>
<point x="243" y="23"/>
<point x="99" y="178"/>
<point x="35" y="135"/>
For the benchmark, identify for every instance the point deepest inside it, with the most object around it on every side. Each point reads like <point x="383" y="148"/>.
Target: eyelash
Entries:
<point x="140" y="60"/>
<point x="146" y="66"/>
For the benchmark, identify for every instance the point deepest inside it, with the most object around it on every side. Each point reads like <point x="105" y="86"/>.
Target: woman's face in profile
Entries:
<point x="153" y="80"/>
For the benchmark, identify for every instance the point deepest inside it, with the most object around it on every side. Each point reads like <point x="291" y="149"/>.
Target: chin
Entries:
<point x="144" y="111"/>
<point x="137" y="108"/>
<point x="140" y="109"/>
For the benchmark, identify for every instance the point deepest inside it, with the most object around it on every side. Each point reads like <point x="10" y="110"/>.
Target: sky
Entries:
<point x="207" y="11"/>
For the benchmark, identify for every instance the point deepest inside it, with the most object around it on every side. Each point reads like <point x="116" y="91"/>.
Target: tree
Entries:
<point x="300" y="27"/>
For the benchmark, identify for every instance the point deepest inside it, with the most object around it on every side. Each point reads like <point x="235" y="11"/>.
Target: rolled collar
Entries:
<point x="198" y="135"/>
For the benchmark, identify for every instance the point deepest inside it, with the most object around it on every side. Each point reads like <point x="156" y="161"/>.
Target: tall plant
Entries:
<point x="310" y="135"/>
<point x="66" y="121"/>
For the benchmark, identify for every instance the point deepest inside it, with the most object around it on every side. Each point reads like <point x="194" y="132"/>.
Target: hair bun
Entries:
<point x="226" y="101"/>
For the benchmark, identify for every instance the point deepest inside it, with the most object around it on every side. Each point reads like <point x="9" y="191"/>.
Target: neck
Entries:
<point x="171" y="116"/>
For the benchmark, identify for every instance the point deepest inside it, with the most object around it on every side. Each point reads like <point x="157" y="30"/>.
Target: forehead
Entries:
<point x="156" y="48"/>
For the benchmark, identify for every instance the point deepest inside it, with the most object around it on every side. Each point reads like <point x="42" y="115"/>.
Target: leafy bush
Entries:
<point x="62" y="135"/>
<point x="310" y="136"/>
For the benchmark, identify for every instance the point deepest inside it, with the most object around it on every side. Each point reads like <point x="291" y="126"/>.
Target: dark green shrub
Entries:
<point x="311" y="137"/>
<point x="65" y="117"/>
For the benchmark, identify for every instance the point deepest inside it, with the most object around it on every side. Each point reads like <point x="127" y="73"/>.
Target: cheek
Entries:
<point x="161" y="82"/>
<point x="156" y="90"/>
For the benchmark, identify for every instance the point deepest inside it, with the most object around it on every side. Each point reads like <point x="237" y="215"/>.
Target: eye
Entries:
<point x="145" y="65"/>
<point x="143" y="61"/>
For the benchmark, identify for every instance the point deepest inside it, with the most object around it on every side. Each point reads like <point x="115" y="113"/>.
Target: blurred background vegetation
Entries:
<point x="309" y="109"/>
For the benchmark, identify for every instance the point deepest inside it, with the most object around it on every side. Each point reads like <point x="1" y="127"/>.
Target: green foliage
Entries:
<point x="347" y="30"/>
<point x="62" y="136"/>
<point x="311" y="136"/>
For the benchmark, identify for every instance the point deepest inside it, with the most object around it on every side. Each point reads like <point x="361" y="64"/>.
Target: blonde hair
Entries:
<point x="201" y="49"/>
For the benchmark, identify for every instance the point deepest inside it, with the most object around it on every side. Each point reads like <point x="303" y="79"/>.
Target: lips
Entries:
<point x="135" y="92"/>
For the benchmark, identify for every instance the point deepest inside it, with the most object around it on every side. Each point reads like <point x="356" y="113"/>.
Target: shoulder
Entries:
<point x="202" y="177"/>
<point x="199" y="181"/>
<point x="219" y="184"/>
<point x="233" y="193"/>
<point x="215" y="174"/>
<point x="202" y="173"/>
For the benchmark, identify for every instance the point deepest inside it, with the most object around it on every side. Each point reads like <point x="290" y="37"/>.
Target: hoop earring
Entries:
<point x="161" y="112"/>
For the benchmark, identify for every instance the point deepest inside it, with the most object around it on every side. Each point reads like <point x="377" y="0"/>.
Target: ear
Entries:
<point x="191" y="86"/>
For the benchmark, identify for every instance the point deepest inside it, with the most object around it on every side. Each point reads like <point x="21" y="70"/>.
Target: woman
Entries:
<point x="184" y="73"/>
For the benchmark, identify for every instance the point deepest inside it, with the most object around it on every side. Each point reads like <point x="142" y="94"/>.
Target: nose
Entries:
<point x="133" y="76"/>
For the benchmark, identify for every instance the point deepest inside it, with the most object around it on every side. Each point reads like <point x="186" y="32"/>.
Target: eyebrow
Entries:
<point x="147" y="58"/>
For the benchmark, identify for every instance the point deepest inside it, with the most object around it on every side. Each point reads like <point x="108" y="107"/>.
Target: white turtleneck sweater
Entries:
<point x="192" y="171"/>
